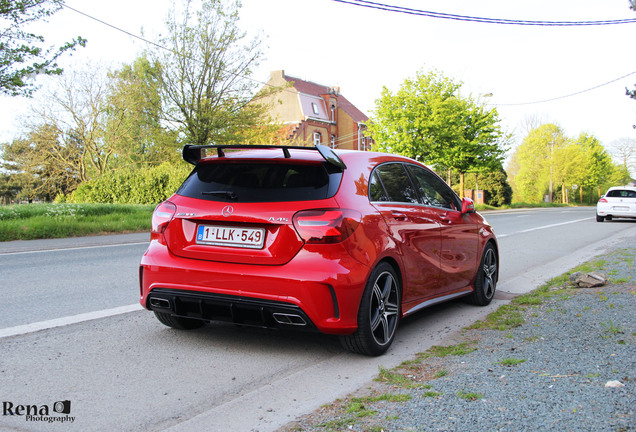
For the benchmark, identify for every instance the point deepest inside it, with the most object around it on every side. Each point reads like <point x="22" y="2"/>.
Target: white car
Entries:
<point x="618" y="202"/>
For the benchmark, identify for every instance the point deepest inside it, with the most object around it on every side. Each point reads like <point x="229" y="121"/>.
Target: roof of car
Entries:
<point x="630" y="188"/>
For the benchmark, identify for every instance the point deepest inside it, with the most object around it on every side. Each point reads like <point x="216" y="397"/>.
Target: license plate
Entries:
<point x="252" y="238"/>
<point x="620" y="208"/>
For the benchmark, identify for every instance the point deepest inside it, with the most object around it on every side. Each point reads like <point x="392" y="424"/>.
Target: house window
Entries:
<point x="317" y="138"/>
<point x="333" y="113"/>
<point x="314" y="106"/>
<point x="332" y="141"/>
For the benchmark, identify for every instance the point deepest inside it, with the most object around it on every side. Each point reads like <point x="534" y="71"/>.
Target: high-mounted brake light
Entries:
<point x="326" y="226"/>
<point x="162" y="216"/>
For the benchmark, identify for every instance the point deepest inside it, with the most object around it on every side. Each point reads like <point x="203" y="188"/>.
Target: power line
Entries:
<point x="357" y="3"/>
<point x="467" y="18"/>
<point x="568" y="95"/>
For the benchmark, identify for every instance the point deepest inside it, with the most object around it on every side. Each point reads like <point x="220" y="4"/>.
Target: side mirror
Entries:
<point x="468" y="206"/>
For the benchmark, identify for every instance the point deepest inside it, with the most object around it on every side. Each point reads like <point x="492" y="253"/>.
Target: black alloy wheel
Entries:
<point x="379" y="314"/>
<point x="487" y="276"/>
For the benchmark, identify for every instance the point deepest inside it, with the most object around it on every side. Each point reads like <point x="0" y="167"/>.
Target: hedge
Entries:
<point x="131" y="186"/>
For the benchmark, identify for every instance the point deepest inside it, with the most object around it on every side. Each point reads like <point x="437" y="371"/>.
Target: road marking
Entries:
<point x="543" y="227"/>
<point x="64" y="321"/>
<point x="71" y="248"/>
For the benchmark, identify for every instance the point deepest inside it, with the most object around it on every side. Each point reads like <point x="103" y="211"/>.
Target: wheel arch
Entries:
<point x="396" y="267"/>
<point x="490" y="242"/>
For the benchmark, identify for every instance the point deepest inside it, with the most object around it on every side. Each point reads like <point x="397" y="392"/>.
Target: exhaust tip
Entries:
<point x="289" y="319"/>
<point x="159" y="303"/>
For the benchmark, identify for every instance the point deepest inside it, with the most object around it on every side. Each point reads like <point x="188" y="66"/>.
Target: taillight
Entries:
<point x="326" y="226"/>
<point x="162" y="216"/>
<point x="603" y="200"/>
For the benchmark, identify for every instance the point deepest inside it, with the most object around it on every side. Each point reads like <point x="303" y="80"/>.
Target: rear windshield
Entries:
<point x="260" y="182"/>
<point x="621" y="193"/>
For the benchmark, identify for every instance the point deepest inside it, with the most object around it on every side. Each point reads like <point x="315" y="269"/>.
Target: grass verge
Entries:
<point x="417" y="377"/>
<point x="39" y="221"/>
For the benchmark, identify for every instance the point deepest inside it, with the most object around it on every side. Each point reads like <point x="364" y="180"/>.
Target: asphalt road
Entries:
<point x="70" y="330"/>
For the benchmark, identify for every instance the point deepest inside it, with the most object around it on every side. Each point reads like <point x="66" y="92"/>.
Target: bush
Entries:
<point x="129" y="186"/>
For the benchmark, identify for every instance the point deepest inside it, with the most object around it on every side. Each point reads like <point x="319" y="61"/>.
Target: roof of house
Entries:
<point x="313" y="107"/>
<point x="314" y="89"/>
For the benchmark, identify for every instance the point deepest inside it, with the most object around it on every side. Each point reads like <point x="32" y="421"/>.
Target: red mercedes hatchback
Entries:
<point x="341" y="242"/>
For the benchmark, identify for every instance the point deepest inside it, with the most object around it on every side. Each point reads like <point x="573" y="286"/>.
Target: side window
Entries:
<point x="376" y="190"/>
<point x="397" y="185"/>
<point x="433" y="190"/>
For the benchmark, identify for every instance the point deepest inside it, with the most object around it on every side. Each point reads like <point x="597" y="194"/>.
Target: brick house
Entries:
<point x="317" y="114"/>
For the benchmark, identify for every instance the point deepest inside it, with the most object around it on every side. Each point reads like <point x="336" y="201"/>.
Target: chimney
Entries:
<point x="278" y="75"/>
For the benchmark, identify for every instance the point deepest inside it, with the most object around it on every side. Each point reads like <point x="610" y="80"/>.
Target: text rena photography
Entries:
<point x="56" y="412"/>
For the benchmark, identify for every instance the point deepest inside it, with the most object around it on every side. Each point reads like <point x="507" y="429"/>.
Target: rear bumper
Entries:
<point x="323" y="293"/>
<point x="616" y="214"/>
<point x="616" y="211"/>
<point x="235" y="309"/>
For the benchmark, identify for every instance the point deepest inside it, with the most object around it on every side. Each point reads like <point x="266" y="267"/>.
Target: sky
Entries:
<point x="572" y="76"/>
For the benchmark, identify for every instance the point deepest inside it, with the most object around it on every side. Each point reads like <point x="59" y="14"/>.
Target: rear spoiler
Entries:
<point x="194" y="153"/>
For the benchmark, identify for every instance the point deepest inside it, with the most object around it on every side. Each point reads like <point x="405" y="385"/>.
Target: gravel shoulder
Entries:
<point x="564" y="359"/>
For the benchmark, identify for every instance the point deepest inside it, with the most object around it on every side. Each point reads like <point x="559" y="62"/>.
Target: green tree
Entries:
<point x="426" y="119"/>
<point x="497" y="190"/>
<point x="22" y="53"/>
<point x="14" y="186"/>
<point x="205" y="73"/>
<point x="81" y="108"/>
<point x="534" y="160"/>
<point x="598" y="166"/>
<point x="134" y="116"/>
<point x="568" y="168"/>
<point x="41" y="164"/>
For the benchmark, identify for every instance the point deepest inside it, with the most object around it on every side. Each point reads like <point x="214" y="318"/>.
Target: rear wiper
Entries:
<point x="227" y="194"/>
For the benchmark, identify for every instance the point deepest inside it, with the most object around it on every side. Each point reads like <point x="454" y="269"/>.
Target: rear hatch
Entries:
<point x="241" y="211"/>
<point x="622" y="201"/>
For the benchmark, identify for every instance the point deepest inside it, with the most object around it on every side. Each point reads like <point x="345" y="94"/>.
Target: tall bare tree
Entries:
<point x="206" y="65"/>
<point x="624" y="150"/>
<point x="77" y="108"/>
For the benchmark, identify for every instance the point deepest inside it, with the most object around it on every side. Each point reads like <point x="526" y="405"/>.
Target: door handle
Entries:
<point x="445" y="218"/>
<point x="398" y="216"/>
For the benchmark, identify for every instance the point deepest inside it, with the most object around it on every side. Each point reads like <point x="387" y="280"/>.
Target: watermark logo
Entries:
<point x="57" y="412"/>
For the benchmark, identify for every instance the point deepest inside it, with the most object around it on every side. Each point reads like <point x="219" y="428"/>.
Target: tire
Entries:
<point x="486" y="279"/>
<point x="178" y="323"/>
<point x="379" y="314"/>
<point x="599" y="218"/>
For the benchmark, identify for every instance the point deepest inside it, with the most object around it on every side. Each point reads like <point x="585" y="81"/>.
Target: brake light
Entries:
<point x="162" y="216"/>
<point x="326" y="226"/>
<point x="603" y="200"/>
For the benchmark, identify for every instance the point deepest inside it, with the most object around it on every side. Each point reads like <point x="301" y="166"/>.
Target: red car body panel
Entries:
<point x="435" y="252"/>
